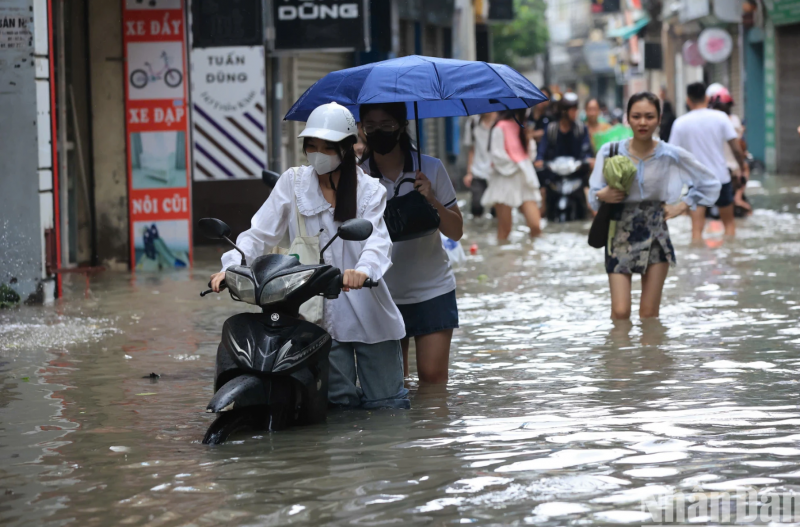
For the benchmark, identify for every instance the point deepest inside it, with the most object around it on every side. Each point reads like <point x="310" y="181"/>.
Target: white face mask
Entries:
<point x="323" y="163"/>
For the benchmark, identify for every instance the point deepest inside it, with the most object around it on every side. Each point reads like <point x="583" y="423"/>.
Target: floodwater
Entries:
<point x="553" y="415"/>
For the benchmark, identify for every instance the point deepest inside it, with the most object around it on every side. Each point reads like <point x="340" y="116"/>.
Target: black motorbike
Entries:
<point x="565" y="181"/>
<point x="272" y="367"/>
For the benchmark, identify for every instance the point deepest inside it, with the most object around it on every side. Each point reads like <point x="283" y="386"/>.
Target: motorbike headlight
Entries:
<point x="279" y="288"/>
<point x="241" y="286"/>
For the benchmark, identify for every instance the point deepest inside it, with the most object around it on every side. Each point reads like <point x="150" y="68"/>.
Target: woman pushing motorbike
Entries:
<point x="365" y="324"/>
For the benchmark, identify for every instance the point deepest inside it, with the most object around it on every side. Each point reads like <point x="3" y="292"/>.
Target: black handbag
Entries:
<point x="410" y="216"/>
<point x="598" y="234"/>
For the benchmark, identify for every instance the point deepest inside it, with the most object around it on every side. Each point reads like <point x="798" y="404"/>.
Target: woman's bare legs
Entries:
<point x="620" y="285"/>
<point x="433" y="356"/>
<point x="530" y="210"/>
<point x="503" y="220"/>
<point x="652" y="287"/>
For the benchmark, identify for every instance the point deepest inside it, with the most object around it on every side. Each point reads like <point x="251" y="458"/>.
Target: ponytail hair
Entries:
<point x="347" y="191"/>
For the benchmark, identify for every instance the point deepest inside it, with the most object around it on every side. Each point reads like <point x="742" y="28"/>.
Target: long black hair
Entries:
<point x="398" y="112"/>
<point x="347" y="190"/>
<point x="650" y="97"/>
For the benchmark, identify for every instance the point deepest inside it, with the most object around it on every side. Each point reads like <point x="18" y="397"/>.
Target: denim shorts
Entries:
<point x="430" y="316"/>
<point x="725" y="195"/>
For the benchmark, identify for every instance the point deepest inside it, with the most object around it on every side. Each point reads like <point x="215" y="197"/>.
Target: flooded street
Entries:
<point x="553" y="415"/>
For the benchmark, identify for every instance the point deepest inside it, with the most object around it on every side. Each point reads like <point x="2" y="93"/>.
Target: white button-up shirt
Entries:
<point x="366" y="315"/>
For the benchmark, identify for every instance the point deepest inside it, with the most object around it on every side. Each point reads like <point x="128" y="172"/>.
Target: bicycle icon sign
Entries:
<point x="172" y="77"/>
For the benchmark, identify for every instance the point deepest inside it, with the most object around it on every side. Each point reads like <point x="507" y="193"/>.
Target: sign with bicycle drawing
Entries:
<point x="155" y="70"/>
<point x="157" y="119"/>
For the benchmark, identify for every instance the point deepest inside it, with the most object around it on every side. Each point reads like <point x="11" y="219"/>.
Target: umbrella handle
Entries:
<point x="419" y="137"/>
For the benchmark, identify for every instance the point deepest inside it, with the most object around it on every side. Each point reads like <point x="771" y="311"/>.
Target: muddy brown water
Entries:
<point x="553" y="415"/>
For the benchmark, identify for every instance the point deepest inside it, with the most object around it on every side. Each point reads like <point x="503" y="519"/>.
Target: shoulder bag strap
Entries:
<point x="397" y="185"/>
<point x="301" y="222"/>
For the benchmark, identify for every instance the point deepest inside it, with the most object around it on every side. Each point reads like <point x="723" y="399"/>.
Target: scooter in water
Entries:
<point x="272" y="367"/>
<point x="565" y="196"/>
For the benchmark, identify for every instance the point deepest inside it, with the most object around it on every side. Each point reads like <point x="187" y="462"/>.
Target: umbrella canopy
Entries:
<point x="430" y="87"/>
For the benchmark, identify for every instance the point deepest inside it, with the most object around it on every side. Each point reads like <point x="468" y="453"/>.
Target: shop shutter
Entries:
<point x="311" y="67"/>
<point x="788" y="98"/>
<point x="736" y="78"/>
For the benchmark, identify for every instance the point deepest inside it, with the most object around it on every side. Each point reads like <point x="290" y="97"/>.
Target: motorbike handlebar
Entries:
<point x="208" y="291"/>
<point x="368" y="283"/>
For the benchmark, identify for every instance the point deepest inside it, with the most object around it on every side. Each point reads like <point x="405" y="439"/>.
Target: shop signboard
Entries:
<point x="226" y="23"/>
<point x="324" y="24"/>
<point x="159" y="199"/>
<point x="715" y="44"/>
<point x="693" y="9"/>
<point x="229" y="119"/>
<point x="783" y="12"/>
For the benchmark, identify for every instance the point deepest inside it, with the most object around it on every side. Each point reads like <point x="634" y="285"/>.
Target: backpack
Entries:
<point x="552" y="136"/>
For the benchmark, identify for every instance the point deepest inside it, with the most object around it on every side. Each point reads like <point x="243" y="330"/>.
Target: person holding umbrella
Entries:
<point x="421" y="281"/>
<point x="386" y="95"/>
<point x="641" y="243"/>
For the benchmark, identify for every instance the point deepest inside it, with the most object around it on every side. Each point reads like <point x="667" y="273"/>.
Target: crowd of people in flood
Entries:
<point x="630" y="171"/>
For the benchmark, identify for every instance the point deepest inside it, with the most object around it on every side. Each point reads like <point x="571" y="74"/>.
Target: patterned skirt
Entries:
<point x="641" y="239"/>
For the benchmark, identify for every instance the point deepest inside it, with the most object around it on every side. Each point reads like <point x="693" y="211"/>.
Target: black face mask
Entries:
<point x="382" y="142"/>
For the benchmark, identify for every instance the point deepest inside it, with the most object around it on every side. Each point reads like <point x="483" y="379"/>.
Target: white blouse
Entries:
<point x="366" y="315"/>
<point x="661" y="177"/>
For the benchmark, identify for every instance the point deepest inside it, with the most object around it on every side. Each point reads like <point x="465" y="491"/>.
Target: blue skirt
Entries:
<point x="430" y="316"/>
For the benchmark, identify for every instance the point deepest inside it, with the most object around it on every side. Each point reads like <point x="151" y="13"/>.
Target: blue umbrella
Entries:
<point x="430" y="87"/>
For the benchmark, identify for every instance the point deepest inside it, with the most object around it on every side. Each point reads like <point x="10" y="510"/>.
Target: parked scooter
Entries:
<point x="272" y="367"/>
<point x="565" y="196"/>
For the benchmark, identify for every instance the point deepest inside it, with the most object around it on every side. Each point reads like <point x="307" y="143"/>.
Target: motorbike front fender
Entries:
<point x="240" y="392"/>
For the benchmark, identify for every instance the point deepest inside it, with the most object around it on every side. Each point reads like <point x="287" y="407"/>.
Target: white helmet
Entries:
<point x="713" y="89"/>
<point x="330" y="122"/>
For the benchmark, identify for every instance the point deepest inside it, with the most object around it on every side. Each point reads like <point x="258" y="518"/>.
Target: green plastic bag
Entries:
<point x="619" y="172"/>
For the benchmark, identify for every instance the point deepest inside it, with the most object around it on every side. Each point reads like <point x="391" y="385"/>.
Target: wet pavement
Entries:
<point x="553" y="414"/>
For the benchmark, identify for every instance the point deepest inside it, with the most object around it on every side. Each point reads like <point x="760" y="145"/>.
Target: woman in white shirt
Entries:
<point x="364" y="324"/>
<point x="641" y="243"/>
<point x="421" y="281"/>
<point x="514" y="183"/>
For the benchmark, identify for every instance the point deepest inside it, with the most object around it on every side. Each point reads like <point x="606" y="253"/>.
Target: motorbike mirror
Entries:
<point x="270" y="178"/>
<point x="219" y="230"/>
<point x="355" y="230"/>
<point x="214" y="228"/>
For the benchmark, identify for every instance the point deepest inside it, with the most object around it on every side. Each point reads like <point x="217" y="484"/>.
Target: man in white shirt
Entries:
<point x="704" y="132"/>
<point x="479" y="162"/>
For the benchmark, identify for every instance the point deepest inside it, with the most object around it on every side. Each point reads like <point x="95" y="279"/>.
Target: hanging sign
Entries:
<point x="715" y="44"/>
<point x="324" y="24"/>
<point x="156" y="128"/>
<point x="228" y="113"/>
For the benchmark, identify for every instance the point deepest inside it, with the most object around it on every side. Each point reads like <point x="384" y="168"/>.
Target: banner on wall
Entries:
<point x="157" y="127"/>
<point x="229" y="116"/>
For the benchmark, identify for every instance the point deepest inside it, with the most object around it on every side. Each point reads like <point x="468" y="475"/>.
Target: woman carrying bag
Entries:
<point x="641" y="242"/>
<point x="421" y="281"/>
<point x="311" y="202"/>
<point x="513" y="182"/>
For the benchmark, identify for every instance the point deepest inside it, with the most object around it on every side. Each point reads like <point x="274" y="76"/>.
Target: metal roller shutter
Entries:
<point x="305" y="70"/>
<point x="736" y="76"/>
<point x="788" y="98"/>
<point x="313" y="66"/>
